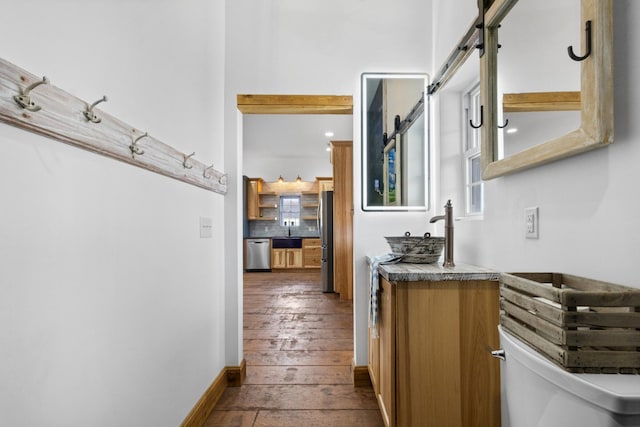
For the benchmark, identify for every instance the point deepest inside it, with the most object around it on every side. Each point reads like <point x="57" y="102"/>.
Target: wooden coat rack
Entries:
<point x="33" y="104"/>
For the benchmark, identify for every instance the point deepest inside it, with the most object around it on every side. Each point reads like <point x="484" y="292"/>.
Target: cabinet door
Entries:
<point x="374" y="361"/>
<point x="445" y="375"/>
<point x="311" y="253"/>
<point x="387" y="331"/>
<point x="253" y="189"/>
<point x="480" y="373"/>
<point x="278" y="258"/>
<point x="294" y="258"/>
<point x="311" y="257"/>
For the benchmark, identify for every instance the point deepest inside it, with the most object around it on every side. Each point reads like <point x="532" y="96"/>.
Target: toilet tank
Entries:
<point x="537" y="393"/>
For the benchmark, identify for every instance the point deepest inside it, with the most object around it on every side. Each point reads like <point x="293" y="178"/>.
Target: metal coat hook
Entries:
<point x="90" y="115"/>
<point x="25" y="101"/>
<point x="481" y="120"/>
<point x="204" y="173"/>
<point x="134" y="146"/>
<point x="572" y="55"/>
<point x="506" y="123"/>
<point x="184" y="163"/>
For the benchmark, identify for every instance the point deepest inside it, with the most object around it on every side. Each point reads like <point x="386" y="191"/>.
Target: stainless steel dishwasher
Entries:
<point x="258" y="255"/>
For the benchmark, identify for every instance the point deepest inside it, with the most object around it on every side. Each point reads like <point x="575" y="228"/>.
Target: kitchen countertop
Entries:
<point x="282" y="237"/>
<point x="404" y="272"/>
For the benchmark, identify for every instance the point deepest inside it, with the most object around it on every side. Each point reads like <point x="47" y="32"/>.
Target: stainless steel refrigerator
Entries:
<point x="325" y="224"/>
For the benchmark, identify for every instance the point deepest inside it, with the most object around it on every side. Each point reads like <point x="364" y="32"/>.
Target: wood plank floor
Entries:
<point x="298" y="344"/>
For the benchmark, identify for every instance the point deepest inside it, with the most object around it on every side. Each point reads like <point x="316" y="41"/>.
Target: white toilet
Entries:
<point x="538" y="393"/>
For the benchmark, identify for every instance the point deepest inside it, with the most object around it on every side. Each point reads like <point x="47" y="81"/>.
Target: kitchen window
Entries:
<point x="472" y="171"/>
<point x="289" y="211"/>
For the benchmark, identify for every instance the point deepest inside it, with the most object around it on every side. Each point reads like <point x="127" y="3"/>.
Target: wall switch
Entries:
<point x="206" y="228"/>
<point x="531" y="221"/>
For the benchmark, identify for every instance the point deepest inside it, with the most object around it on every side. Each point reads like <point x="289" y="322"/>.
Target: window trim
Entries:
<point x="469" y="152"/>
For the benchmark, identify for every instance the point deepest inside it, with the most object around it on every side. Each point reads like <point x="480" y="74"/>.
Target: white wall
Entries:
<point x="110" y="307"/>
<point x="270" y="168"/>
<point x="291" y="145"/>
<point x="587" y="203"/>
<point x="322" y="47"/>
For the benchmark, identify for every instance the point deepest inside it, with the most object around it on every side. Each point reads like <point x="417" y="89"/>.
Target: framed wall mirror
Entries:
<point x="546" y="82"/>
<point x="394" y="142"/>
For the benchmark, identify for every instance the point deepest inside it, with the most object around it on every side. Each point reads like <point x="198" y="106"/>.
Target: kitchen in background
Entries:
<point x="288" y="225"/>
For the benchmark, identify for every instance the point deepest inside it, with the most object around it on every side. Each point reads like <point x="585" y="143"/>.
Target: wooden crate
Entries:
<point x="583" y="325"/>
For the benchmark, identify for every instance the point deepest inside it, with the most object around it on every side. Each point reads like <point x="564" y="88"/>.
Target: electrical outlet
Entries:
<point x="206" y="228"/>
<point x="531" y="222"/>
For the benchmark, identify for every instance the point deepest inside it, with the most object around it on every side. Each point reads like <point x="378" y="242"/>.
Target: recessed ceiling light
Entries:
<point x="328" y="134"/>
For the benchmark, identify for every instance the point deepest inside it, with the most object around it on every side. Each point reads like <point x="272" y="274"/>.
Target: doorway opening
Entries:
<point x="288" y="105"/>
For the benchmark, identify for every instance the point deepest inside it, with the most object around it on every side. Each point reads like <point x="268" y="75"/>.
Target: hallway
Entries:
<point x="298" y="345"/>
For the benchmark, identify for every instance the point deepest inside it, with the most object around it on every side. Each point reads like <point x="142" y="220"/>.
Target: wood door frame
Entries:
<point x="295" y="104"/>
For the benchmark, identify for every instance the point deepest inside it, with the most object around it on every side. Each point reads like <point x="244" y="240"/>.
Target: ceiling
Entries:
<point x="293" y="135"/>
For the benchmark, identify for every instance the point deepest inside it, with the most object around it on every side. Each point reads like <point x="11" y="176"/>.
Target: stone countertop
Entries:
<point x="404" y="272"/>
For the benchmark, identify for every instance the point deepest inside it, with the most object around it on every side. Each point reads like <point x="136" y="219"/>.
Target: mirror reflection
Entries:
<point x="538" y="83"/>
<point x="394" y="142"/>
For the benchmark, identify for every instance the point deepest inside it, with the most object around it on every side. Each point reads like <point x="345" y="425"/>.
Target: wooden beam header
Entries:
<point x="295" y="104"/>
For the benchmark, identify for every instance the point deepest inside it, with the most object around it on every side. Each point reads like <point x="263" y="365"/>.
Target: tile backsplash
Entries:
<point x="273" y="229"/>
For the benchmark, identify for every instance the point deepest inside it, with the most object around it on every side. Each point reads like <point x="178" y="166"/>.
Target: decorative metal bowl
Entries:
<point x="415" y="249"/>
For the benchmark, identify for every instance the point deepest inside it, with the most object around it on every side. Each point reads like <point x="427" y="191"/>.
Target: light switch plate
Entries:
<point x="531" y="223"/>
<point x="206" y="227"/>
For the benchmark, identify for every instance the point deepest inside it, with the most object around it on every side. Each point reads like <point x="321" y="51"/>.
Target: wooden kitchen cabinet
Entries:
<point x="261" y="205"/>
<point x="309" y="203"/>
<point x="286" y="258"/>
<point x="433" y="361"/>
<point x="311" y="253"/>
<point x="278" y="258"/>
<point x="294" y="258"/>
<point x="324" y="184"/>
<point x="254" y="187"/>
<point x="342" y="161"/>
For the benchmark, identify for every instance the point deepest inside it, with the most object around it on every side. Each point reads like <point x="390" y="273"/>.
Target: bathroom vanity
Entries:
<point x="431" y="363"/>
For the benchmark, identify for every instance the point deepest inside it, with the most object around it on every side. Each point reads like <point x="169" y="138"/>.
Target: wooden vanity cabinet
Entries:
<point x="435" y="367"/>
<point x="387" y="357"/>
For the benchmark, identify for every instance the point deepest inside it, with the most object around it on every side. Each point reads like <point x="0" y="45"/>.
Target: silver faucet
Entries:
<point x="448" y="233"/>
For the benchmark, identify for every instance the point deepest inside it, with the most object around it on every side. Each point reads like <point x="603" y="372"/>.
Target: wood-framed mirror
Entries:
<point x="590" y="97"/>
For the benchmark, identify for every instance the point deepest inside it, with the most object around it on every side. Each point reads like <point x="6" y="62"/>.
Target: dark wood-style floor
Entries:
<point x="298" y="345"/>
